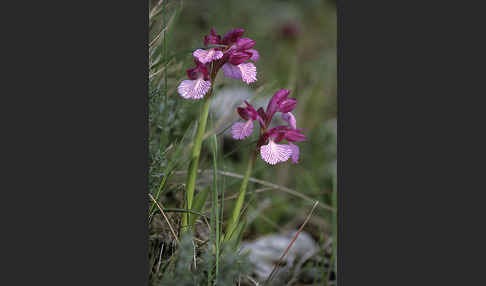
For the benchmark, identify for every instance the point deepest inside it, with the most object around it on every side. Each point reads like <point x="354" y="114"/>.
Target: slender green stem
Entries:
<point x="196" y="150"/>
<point x="241" y="198"/>
<point x="215" y="210"/>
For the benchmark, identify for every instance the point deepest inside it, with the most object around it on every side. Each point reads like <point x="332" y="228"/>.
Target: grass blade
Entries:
<point x="215" y="206"/>
<point x="199" y="201"/>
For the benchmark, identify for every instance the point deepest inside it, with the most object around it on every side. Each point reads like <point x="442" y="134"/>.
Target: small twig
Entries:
<point x="207" y="223"/>
<point x="156" y="73"/>
<point x="252" y="280"/>
<point x="265" y="183"/>
<point x="166" y="219"/>
<point x="291" y="243"/>
<point x="162" y="31"/>
<point x="152" y="12"/>
<point x="199" y="240"/>
<point x="194" y="245"/>
<point x="255" y="191"/>
<point x="160" y="257"/>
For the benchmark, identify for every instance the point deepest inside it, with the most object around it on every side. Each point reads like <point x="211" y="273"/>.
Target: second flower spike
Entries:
<point x="269" y="145"/>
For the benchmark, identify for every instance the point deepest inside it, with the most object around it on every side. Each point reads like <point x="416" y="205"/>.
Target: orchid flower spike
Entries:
<point x="271" y="150"/>
<point x="232" y="54"/>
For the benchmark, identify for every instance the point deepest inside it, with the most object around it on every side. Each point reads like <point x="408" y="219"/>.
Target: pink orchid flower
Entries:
<point x="270" y="150"/>
<point x="198" y="84"/>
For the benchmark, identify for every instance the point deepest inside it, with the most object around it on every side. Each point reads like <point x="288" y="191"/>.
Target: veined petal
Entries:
<point x="275" y="101"/>
<point x="290" y="118"/>
<point x="295" y="153"/>
<point x="241" y="130"/>
<point x="231" y="71"/>
<point x="194" y="89"/>
<point x="273" y="153"/>
<point x="206" y="56"/>
<point x="248" y="72"/>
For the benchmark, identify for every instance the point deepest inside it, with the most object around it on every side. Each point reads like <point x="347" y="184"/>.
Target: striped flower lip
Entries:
<point x="198" y="83"/>
<point x="273" y="153"/>
<point x="194" y="89"/>
<point x="269" y="144"/>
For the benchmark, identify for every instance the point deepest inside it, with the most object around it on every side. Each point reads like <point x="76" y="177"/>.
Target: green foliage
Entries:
<point x="199" y="201"/>
<point x="183" y="272"/>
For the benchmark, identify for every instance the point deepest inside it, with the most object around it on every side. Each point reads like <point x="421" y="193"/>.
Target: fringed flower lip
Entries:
<point x="234" y="54"/>
<point x="198" y="83"/>
<point x="270" y="150"/>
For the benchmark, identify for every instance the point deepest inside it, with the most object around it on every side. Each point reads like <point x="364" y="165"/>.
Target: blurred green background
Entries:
<point x="297" y="45"/>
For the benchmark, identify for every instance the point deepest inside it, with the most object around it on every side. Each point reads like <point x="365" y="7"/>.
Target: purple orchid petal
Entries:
<point x="231" y="71"/>
<point x="192" y="73"/>
<point x="206" y="56"/>
<point x="295" y="136"/>
<point x="212" y="38"/>
<point x="279" y="137"/>
<point x="200" y="69"/>
<point x="248" y="72"/>
<point x="276" y="134"/>
<point x="274" y="102"/>
<point x="290" y="118"/>
<point x="251" y="111"/>
<point x="248" y="112"/>
<point x="232" y="36"/>
<point x="254" y="55"/>
<point x="237" y="58"/>
<point x="243" y="112"/>
<point x="287" y="105"/>
<point x="241" y="130"/>
<point x="273" y="153"/>
<point x="295" y="153"/>
<point x="194" y="89"/>
<point x="245" y="44"/>
<point x="281" y="94"/>
<point x="262" y="116"/>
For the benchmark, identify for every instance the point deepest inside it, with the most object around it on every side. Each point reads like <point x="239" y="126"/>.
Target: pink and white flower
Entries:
<point x="271" y="149"/>
<point x="198" y="83"/>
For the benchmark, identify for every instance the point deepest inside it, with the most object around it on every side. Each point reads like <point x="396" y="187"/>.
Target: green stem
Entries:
<point x="196" y="150"/>
<point x="233" y="223"/>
